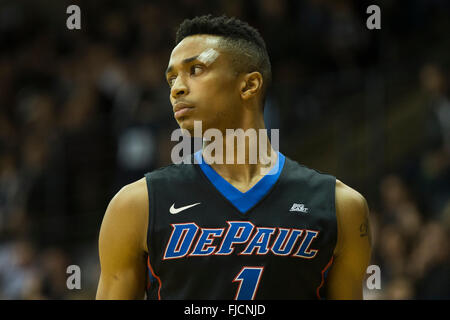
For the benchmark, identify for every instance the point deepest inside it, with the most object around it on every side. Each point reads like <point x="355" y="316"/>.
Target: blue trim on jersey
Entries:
<point x="243" y="201"/>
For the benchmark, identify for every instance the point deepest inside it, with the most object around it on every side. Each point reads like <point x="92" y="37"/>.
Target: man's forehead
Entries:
<point x="193" y="46"/>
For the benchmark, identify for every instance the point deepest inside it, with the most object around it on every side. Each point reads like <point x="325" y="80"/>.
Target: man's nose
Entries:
<point x="179" y="88"/>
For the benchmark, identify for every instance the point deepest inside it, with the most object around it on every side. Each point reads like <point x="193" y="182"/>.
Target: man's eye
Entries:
<point x="171" y="81"/>
<point x="196" y="69"/>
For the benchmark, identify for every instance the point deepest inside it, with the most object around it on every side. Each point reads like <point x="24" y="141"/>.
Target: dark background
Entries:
<point x="84" y="112"/>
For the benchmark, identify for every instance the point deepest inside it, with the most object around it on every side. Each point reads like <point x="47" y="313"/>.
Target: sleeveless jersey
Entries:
<point x="207" y="240"/>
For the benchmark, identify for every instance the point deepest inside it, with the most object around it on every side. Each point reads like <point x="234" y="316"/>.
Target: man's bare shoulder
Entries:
<point x="132" y="195"/>
<point x="128" y="209"/>
<point x="353" y="247"/>
<point x="122" y="244"/>
<point x="349" y="200"/>
<point x="352" y="215"/>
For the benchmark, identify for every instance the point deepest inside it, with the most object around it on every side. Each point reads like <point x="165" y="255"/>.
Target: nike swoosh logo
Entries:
<point x="174" y="210"/>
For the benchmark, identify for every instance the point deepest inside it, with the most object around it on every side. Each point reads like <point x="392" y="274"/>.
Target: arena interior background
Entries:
<point x="84" y="112"/>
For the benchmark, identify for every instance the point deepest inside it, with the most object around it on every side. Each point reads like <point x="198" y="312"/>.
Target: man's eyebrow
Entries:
<point x="185" y="61"/>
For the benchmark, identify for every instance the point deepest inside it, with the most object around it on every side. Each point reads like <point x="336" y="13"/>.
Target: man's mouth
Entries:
<point x="181" y="109"/>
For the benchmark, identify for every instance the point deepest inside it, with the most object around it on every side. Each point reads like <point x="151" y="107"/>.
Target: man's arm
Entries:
<point x="122" y="244"/>
<point x="353" y="249"/>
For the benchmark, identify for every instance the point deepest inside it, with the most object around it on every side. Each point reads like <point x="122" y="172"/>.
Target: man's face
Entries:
<point x="203" y="84"/>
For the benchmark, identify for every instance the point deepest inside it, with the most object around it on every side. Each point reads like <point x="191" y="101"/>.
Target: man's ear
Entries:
<point x="251" y="85"/>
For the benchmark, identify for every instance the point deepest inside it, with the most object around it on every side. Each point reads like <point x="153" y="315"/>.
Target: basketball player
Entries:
<point x="229" y="231"/>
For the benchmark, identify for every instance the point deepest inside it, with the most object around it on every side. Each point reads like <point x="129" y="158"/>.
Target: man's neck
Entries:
<point x="245" y="163"/>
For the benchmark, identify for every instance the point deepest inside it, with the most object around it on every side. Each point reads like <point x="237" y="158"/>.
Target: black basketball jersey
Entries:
<point x="208" y="240"/>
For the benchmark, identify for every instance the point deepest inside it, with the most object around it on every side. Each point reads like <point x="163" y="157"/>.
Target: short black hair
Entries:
<point x="248" y="48"/>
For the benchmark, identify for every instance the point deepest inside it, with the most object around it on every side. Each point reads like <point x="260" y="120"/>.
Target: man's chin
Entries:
<point x="188" y="124"/>
<point x="195" y="127"/>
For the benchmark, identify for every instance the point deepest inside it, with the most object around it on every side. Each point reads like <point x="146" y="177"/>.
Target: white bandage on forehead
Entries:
<point x="208" y="56"/>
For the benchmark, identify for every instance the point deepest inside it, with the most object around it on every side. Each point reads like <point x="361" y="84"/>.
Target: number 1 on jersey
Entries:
<point x="249" y="280"/>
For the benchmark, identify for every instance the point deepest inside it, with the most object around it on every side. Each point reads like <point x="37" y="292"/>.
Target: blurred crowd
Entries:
<point x="84" y="112"/>
<point x="411" y="217"/>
